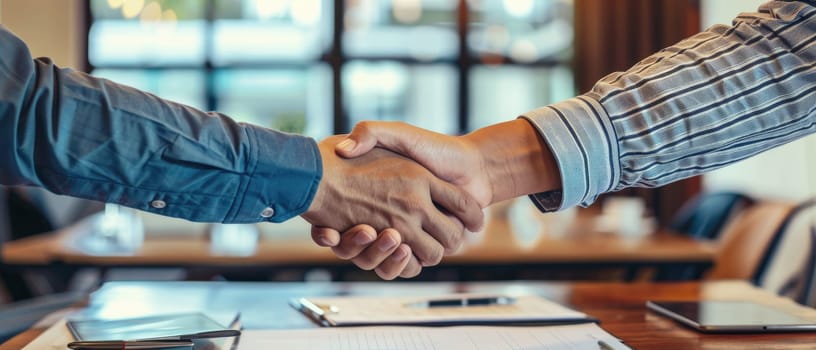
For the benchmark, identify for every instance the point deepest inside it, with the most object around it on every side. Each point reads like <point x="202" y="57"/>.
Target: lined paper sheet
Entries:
<point x="567" y="337"/>
<point x="393" y="310"/>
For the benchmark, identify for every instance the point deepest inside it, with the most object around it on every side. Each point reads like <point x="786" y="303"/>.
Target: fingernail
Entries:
<point x="363" y="237"/>
<point x="386" y="243"/>
<point x="399" y="254"/>
<point x="347" y="145"/>
<point x="326" y="241"/>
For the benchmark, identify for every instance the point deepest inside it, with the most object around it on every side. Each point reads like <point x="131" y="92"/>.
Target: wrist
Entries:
<point x="320" y="193"/>
<point x="516" y="160"/>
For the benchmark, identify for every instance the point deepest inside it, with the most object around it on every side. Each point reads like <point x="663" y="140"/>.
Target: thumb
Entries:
<point x="367" y="135"/>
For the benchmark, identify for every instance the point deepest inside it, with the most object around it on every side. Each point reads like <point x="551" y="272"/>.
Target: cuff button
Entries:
<point x="268" y="212"/>
<point x="158" y="204"/>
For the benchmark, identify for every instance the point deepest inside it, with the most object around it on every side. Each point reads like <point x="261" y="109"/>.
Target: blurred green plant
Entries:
<point x="293" y="122"/>
<point x="184" y="9"/>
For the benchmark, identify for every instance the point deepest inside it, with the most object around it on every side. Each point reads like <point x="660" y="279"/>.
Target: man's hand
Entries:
<point x="457" y="160"/>
<point x="385" y="190"/>
<point x="495" y="163"/>
<point x="368" y="251"/>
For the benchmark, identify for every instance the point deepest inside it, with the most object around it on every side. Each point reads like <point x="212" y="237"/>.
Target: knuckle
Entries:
<point x="363" y="127"/>
<point x="451" y="239"/>
<point x="433" y="256"/>
<point x="342" y="253"/>
<point x="411" y="272"/>
<point x="386" y="275"/>
<point x="454" y="247"/>
<point x="411" y="206"/>
<point x="364" y="263"/>
<point x="414" y="205"/>
<point x="465" y="204"/>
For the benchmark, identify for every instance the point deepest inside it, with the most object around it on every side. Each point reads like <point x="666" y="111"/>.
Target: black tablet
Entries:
<point x="164" y="327"/>
<point x="731" y="316"/>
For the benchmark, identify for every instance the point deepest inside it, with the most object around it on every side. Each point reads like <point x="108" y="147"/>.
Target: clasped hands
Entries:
<point x="414" y="210"/>
<point x="415" y="191"/>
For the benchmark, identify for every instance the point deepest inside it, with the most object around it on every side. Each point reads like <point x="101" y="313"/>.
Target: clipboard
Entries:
<point x="395" y="311"/>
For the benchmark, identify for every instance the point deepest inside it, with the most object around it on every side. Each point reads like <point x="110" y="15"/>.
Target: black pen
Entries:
<point x="463" y="302"/>
<point x="123" y="345"/>
<point x="604" y="345"/>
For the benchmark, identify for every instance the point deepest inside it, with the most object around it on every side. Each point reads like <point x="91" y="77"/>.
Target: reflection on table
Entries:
<point x="619" y="306"/>
<point x="516" y="240"/>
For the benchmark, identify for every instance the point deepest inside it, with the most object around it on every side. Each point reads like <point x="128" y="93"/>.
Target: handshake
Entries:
<point x="395" y="198"/>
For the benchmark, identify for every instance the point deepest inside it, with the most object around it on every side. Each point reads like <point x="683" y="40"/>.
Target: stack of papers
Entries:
<point x="361" y="311"/>
<point x="396" y="323"/>
<point x="578" y="336"/>
<point x="471" y="321"/>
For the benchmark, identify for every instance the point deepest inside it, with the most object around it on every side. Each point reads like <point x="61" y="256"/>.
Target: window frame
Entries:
<point x="336" y="60"/>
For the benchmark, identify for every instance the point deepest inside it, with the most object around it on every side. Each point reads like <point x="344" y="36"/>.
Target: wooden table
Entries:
<point x="497" y="249"/>
<point x="619" y="306"/>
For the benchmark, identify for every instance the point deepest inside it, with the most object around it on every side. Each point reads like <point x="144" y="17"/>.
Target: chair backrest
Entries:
<point x="787" y="266"/>
<point x="745" y="240"/>
<point x="705" y="215"/>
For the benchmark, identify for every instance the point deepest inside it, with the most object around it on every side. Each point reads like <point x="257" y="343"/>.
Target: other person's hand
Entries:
<point x="385" y="190"/>
<point x="493" y="164"/>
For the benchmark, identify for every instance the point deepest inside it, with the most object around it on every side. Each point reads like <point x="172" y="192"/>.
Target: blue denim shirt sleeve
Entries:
<point x="91" y="138"/>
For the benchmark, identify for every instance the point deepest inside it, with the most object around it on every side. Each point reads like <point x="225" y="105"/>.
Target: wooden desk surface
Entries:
<point x="619" y="306"/>
<point x="497" y="245"/>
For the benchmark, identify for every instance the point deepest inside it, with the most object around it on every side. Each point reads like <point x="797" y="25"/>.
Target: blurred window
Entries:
<point x="280" y="64"/>
<point x="290" y="100"/>
<point x="258" y="61"/>
<point x="523" y="31"/>
<point x="424" y="30"/>
<point x="501" y="93"/>
<point x="317" y="67"/>
<point x="423" y="95"/>
<point x="522" y="53"/>
<point x="271" y="31"/>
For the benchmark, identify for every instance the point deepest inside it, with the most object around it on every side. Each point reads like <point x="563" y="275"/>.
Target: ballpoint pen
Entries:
<point x="604" y="345"/>
<point x="463" y="302"/>
<point x="123" y="345"/>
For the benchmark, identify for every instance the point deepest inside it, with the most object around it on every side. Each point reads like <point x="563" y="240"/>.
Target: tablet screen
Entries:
<point x="144" y="327"/>
<point x="731" y="315"/>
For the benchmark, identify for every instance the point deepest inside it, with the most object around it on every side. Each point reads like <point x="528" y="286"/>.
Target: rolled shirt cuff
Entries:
<point x="585" y="147"/>
<point x="283" y="182"/>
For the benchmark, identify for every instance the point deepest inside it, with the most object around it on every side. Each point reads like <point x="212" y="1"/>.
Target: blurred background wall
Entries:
<point x="319" y="66"/>
<point x="277" y="63"/>
<point x="50" y="28"/>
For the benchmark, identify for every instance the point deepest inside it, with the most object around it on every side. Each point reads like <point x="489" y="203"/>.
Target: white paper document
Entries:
<point x="566" y="337"/>
<point x="340" y="311"/>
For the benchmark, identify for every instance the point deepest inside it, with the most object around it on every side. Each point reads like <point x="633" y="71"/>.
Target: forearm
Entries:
<point x="86" y="137"/>
<point x="716" y="98"/>
<point x="516" y="159"/>
<point x="708" y="101"/>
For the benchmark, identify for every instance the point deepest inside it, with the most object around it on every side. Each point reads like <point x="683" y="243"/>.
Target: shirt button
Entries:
<point x="158" y="204"/>
<point x="267" y="212"/>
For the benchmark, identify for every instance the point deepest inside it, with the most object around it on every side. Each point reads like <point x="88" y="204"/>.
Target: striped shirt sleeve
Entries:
<point x="720" y="96"/>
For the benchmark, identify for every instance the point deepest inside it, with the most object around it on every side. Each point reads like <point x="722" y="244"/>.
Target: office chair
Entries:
<point x="19" y="316"/>
<point x="809" y="291"/>
<point x="787" y="267"/>
<point x="745" y="240"/>
<point x="23" y="217"/>
<point x="705" y="215"/>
